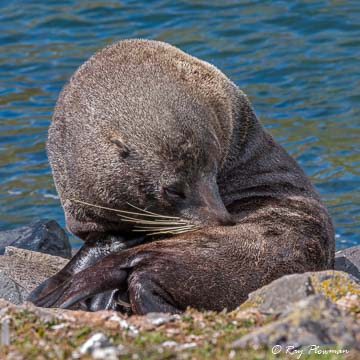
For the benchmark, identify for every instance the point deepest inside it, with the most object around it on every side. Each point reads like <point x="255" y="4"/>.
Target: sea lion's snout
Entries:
<point x="211" y="209"/>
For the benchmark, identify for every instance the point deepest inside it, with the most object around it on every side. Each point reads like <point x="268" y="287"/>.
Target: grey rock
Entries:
<point x="99" y="347"/>
<point x="10" y="290"/>
<point x="96" y="341"/>
<point x="279" y="295"/>
<point x="158" y="319"/>
<point x="314" y="320"/>
<point x="74" y="251"/>
<point x="108" y="353"/>
<point x="45" y="236"/>
<point x="348" y="260"/>
<point x="22" y="270"/>
<point x="4" y="331"/>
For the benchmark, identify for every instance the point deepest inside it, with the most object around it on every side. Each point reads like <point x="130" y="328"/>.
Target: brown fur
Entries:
<point x="140" y="115"/>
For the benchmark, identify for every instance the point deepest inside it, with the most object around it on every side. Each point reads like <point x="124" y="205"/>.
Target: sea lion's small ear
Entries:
<point x="123" y="148"/>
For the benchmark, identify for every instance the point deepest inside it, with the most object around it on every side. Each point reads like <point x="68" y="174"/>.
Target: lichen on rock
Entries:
<point x="281" y="293"/>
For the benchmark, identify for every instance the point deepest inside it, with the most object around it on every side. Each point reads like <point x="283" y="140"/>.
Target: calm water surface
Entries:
<point x="297" y="60"/>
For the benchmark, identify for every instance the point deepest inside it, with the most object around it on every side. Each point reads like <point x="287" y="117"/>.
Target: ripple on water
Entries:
<point x="297" y="60"/>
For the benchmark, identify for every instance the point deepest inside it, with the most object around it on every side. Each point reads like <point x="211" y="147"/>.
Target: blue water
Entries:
<point x="297" y="60"/>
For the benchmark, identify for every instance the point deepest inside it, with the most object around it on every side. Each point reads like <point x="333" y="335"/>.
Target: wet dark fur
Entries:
<point x="188" y="126"/>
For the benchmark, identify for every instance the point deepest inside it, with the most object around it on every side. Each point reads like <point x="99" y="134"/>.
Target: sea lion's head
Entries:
<point x="169" y="166"/>
<point x="142" y="124"/>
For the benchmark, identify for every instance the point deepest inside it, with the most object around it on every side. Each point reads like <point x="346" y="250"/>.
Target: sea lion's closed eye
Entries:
<point x="124" y="150"/>
<point x="174" y="192"/>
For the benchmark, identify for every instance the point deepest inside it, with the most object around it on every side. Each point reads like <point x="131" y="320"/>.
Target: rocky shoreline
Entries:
<point x="311" y="315"/>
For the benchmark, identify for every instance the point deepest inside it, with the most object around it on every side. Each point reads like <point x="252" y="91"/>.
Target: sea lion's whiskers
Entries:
<point x="146" y="213"/>
<point x="147" y="222"/>
<point x="171" y="230"/>
<point x="155" y="222"/>
<point x="150" y="222"/>
<point x="145" y="228"/>
<point x="152" y="213"/>
<point x="176" y="231"/>
<point x="141" y="214"/>
<point x="166" y="223"/>
<point x="186" y="229"/>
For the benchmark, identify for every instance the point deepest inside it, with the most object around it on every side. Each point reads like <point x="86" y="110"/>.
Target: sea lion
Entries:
<point x="175" y="147"/>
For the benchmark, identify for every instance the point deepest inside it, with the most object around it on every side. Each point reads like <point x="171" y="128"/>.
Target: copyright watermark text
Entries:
<point x="311" y="349"/>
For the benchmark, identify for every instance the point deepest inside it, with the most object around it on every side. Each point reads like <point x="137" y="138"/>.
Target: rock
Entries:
<point x="314" y="320"/>
<point x="108" y="353"/>
<point x="178" y="346"/>
<point x="158" y="319"/>
<point x="334" y="284"/>
<point x="5" y="331"/>
<point x="125" y="325"/>
<point x="149" y="322"/>
<point x="44" y="236"/>
<point x="350" y="303"/>
<point x="348" y="260"/>
<point x="22" y="270"/>
<point x="10" y="290"/>
<point x="306" y="311"/>
<point x="276" y="297"/>
<point x="98" y="345"/>
<point x="74" y="251"/>
<point x="97" y="340"/>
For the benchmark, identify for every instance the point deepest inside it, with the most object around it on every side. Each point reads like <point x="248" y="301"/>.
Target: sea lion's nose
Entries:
<point x="227" y="221"/>
<point x="212" y="209"/>
<point x="217" y="216"/>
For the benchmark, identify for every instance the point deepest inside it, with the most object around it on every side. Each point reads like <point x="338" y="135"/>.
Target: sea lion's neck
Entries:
<point x="258" y="166"/>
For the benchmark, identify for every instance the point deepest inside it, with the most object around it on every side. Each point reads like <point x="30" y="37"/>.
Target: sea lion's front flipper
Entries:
<point x="48" y="286"/>
<point x="87" y="255"/>
<point x="107" y="300"/>
<point x="91" y="252"/>
<point x="114" y="281"/>
<point x="83" y="286"/>
<point x="147" y="295"/>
